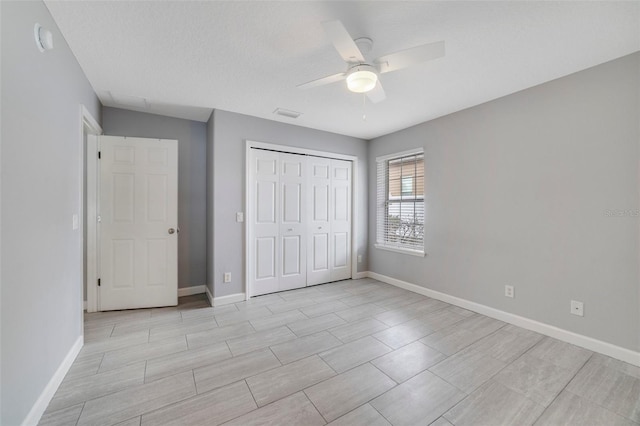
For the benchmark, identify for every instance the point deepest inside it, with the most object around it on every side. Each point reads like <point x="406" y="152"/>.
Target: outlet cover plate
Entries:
<point x="577" y="308"/>
<point x="509" y="291"/>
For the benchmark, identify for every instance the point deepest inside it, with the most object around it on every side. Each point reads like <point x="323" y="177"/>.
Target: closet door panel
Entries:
<point x="319" y="228"/>
<point x="264" y="268"/>
<point x="293" y="254"/>
<point x="340" y="203"/>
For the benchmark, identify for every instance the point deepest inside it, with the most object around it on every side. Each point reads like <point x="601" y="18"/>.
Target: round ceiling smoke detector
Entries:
<point x="44" y="38"/>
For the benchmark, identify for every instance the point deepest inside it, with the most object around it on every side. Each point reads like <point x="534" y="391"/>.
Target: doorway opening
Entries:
<point x="89" y="131"/>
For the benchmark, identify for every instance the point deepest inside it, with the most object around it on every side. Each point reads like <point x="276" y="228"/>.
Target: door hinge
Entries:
<point x="99" y="155"/>
<point x="98" y="282"/>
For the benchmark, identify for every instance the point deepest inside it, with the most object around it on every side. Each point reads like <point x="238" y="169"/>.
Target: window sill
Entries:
<point x="418" y="253"/>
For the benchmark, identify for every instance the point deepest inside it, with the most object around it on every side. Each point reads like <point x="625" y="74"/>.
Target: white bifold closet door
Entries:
<point x="292" y="235"/>
<point x="329" y="225"/>
<point x="278" y="211"/>
<point x="300" y="219"/>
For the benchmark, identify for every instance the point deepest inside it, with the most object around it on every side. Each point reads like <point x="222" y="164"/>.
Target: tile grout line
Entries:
<point x="381" y="415"/>
<point x="513" y="362"/>
<point x="563" y="388"/>
<point x="252" y="397"/>
<point x="80" y="415"/>
<point x="383" y="393"/>
<point x="195" y="382"/>
<point x="174" y="403"/>
<point x="467" y="395"/>
<point x="314" y="405"/>
<point x="104" y="354"/>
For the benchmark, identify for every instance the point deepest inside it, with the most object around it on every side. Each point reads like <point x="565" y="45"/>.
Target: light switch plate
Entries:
<point x="75" y="222"/>
<point x="240" y="217"/>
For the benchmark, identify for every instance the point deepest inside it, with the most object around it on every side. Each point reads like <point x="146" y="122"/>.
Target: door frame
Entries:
<point x="90" y="152"/>
<point x="303" y="151"/>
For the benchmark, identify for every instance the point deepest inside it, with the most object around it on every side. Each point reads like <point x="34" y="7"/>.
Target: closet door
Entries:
<point x="264" y="174"/>
<point x="300" y="221"/>
<point x="293" y="261"/>
<point x="319" y="229"/>
<point x="340" y="208"/>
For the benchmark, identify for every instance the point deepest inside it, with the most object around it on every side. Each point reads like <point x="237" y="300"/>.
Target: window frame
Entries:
<point x="383" y="198"/>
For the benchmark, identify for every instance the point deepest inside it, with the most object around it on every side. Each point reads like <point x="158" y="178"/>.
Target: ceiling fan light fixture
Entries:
<point x="362" y="79"/>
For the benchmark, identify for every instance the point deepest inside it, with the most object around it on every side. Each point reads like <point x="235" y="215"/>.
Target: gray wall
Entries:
<point x="230" y="131"/>
<point x="192" y="184"/>
<point x="518" y="192"/>
<point x="41" y="311"/>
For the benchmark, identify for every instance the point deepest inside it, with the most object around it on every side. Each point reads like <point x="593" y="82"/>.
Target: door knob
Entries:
<point x="171" y="230"/>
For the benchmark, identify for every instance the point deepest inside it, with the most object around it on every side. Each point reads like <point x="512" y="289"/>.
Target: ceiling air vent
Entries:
<point x="129" y="101"/>
<point x="287" y="113"/>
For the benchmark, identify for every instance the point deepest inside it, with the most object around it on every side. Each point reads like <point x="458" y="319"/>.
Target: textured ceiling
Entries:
<point x="184" y="59"/>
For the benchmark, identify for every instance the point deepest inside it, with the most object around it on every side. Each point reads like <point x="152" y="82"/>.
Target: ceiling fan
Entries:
<point x="361" y="75"/>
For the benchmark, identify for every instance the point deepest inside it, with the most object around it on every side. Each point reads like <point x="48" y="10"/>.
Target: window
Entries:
<point x="400" y="189"/>
<point x="407" y="185"/>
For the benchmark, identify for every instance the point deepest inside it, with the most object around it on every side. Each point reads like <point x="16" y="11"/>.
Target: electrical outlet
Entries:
<point x="359" y="258"/>
<point x="239" y="217"/>
<point x="577" y="308"/>
<point x="509" y="291"/>
<point x="227" y="277"/>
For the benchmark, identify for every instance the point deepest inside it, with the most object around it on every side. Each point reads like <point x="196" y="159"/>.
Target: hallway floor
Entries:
<point x="348" y="353"/>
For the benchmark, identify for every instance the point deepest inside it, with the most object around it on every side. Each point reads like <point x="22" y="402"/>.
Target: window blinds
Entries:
<point x="400" y="202"/>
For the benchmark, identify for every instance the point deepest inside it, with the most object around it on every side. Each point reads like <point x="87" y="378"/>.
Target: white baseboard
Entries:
<point x="623" y="354"/>
<point x="360" y="275"/>
<point x="226" y="300"/>
<point x="47" y="394"/>
<point x="209" y="295"/>
<point x="189" y="291"/>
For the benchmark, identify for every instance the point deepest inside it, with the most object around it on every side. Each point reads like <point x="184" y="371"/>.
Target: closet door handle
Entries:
<point x="290" y="229"/>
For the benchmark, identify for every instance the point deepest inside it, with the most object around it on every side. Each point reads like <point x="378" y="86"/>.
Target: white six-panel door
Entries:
<point x="264" y="174"/>
<point x="341" y="220"/>
<point x="300" y="221"/>
<point x="292" y="217"/>
<point x="319" y="225"/>
<point x="138" y="223"/>
<point x="329" y="226"/>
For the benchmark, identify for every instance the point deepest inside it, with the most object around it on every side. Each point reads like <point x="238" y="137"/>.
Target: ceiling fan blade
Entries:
<point x="408" y="57"/>
<point x="343" y="42"/>
<point x="322" y="81"/>
<point x="377" y="94"/>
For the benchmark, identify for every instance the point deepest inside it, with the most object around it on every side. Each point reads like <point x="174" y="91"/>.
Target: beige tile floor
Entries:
<point x="347" y="353"/>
